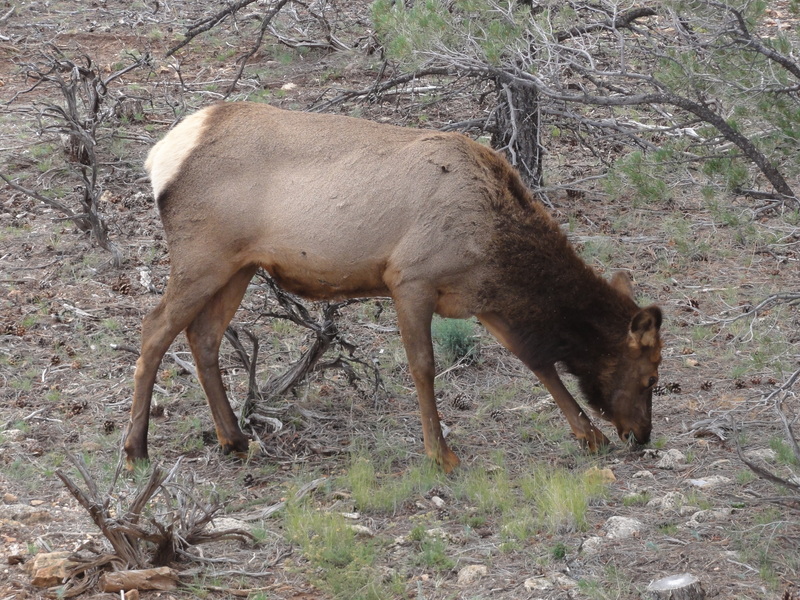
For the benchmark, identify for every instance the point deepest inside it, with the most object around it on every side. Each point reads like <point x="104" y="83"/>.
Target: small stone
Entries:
<point x="765" y="454"/>
<point x="37" y="502"/>
<point x="23" y="513"/>
<point x="673" y="459"/>
<point x="14" y="435"/>
<point x="437" y="501"/>
<point x="362" y="530"/>
<point x="710" y="482"/>
<point x="537" y="584"/>
<point x="644" y="475"/>
<point x="289" y="86"/>
<point x="224" y="523"/>
<point x="49" y="569"/>
<point x="471" y="573"/>
<point x="668" y="502"/>
<point x="622" y="527"/>
<point x="604" y="475"/>
<point x="9" y="498"/>
<point x="714" y="514"/>
<point x="353" y="516"/>
<point x="592" y="545"/>
<point x="438" y="532"/>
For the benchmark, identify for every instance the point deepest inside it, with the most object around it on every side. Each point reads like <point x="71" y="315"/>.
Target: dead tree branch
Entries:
<point x="265" y="24"/>
<point x="325" y="334"/>
<point x="208" y="23"/>
<point x="77" y="122"/>
<point x="229" y="11"/>
<point x="148" y="532"/>
<point x="620" y="21"/>
<point x="374" y="92"/>
<point x="778" y="396"/>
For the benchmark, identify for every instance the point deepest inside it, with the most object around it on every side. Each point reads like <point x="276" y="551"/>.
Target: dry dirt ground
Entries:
<point x="69" y="330"/>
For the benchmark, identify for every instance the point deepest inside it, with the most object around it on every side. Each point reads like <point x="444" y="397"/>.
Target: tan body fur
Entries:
<point x="337" y="207"/>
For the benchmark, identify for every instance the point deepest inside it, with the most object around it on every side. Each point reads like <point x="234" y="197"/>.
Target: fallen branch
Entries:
<point x="788" y="483"/>
<point x="208" y="23"/>
<point x="267" y="512"/>
<point x="789" y="298"/>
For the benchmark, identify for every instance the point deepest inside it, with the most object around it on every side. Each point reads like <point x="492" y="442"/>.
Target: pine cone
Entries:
<point x="461" y="402"/>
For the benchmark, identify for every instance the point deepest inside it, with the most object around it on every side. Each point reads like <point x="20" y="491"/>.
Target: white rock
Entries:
<point x="564" y="582"/>
<point x="644" y="475"/>
<point x="710" y="482"/>
<point x="622" y="527"/>
<point x="223" y="523"/>
<point x="437" y="501"/>
<point x="765" y="454"/>
<point x="673" y="459"/>
<point x="362" y="530"/>
<point x="592" y="545"/>
<point x="714" y="514"/>
<point x="537" y="584"/>
<point x="14" y="435"/>
<point x="438" y="532"/>
<point x="668" y="502"/>
<point x="688" y="509"/>
<point x="471" y="574"/>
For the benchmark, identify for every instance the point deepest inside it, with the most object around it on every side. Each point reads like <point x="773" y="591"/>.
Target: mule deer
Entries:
<point x="336" y="207"/>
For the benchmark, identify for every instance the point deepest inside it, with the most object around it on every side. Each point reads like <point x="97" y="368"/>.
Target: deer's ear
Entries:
<point x="621" y="282"/>
<point x="645" y="326"/>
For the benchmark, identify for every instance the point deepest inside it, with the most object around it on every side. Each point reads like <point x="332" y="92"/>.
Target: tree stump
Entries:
<point x="676" y="587"/>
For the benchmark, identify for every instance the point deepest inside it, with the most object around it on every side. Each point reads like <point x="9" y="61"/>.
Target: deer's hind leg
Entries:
<point x="205" y="335"/>
<point x="188" y="292"/>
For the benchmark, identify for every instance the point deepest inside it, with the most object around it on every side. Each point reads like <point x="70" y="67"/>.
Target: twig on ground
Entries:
<point x="265" y="513"/>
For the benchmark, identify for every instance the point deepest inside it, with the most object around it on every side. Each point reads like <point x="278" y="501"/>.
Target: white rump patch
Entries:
<point x="166" y="157"/>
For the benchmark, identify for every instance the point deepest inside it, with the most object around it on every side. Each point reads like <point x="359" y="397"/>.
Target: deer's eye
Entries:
<point x="652" y="381"/>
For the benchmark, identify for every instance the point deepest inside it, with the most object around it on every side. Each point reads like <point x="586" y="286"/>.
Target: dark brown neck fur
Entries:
<point x="559" y="309"/>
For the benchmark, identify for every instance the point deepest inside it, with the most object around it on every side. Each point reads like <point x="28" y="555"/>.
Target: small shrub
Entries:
<point x="562" y="497"/>
<point x="456" y="340"/>
<point x="636" y="499"/>
<point x="490" y="492"/>
<point x="559" y="551"/>
<point x="783" y="452"/>
<point x="343" y="563"/>
<point x="433" y="553"/>
<point x="370" y="493"/>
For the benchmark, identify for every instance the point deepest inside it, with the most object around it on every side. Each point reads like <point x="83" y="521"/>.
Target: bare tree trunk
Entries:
<point x="517" y="130"/>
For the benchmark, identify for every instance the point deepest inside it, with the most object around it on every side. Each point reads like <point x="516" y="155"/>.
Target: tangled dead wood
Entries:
<point x="325" y="334"/>
<point x="144" y="531"/>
